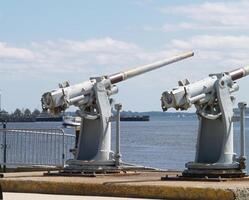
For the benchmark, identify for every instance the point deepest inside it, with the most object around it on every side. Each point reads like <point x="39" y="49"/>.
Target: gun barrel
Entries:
<point x="239" y="73"/>
<point x="121" y="76"/>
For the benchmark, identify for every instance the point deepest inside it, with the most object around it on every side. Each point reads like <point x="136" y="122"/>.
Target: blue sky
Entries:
<point x="47" y="42"/>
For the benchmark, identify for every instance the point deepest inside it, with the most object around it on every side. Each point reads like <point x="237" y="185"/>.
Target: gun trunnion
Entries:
<point x="214" y="104"/>
<point x="92" y="97"/>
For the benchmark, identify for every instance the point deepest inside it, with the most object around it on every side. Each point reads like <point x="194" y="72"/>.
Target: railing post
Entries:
<point x="4" y="147"/>
<point x="63" y="148"/>
<point x="242" y="107"/>
<point x="118" y="108"/>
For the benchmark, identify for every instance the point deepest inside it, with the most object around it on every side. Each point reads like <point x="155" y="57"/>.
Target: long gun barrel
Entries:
<point x="115" y="78"/>
<point x="199" y="92"/>
<point x="81" y="94"/>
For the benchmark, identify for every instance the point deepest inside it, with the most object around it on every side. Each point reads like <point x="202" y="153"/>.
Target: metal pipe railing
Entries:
<point x="242" y="107"/>
<point x="35" y="147"/>
<point x="118" y="108"/>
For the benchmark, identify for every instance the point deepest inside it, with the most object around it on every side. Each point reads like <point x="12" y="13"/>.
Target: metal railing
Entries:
<point x="35" y="147"/>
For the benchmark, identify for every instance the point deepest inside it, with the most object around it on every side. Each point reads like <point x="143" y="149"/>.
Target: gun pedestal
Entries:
<point x="229" y="164"/>
<point x="94" y="145"/>
<point x="215" y="156"/>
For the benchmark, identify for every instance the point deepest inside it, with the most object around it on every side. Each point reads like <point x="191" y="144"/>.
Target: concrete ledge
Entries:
<point x="117" y="190"/>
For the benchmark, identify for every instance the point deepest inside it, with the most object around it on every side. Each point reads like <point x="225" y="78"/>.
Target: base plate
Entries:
<point x="214" y="173"/>
<point x="205" y="179"/>
<point x="94" y="170"/>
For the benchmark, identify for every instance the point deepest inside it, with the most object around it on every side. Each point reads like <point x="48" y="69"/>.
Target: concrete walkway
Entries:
<point x="129" y="185"/>
<point x="29" y="196"/>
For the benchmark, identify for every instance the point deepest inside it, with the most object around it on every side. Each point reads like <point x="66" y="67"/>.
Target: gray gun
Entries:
<point x="94" y="102"/>
<point x="214" y="104"/>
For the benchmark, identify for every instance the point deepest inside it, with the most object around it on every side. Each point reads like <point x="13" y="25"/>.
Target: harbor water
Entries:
<point x="166" y="143"/>
<point x="162" y="142"/>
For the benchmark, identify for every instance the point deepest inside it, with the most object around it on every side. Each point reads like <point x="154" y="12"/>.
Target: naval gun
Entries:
<point x="92" y="97"/>
<point x="212" y="97"/>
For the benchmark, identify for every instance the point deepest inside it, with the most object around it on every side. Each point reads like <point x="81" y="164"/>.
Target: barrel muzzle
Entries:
<point x="48" y="104"/>
<point x="167" y="101"/>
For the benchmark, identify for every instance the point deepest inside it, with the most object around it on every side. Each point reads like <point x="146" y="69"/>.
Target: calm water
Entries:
<point x="166" y="143"/>
<point x="161" y="143"/>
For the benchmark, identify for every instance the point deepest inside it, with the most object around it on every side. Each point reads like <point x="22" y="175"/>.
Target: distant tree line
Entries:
<point x="26" y="115"/>
<point x="22" y="115"/>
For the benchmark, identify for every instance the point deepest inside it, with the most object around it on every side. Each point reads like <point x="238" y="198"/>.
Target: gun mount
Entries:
<point x="214" y="104"/>
<point x="92" y="97"/>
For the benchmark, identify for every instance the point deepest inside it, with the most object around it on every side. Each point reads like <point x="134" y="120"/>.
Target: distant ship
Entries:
<point x="48" y="119"/>
<point x="75" y="121"/>
<point x="135" y="118"/>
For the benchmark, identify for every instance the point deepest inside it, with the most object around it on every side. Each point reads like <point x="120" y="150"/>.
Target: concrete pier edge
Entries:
<point x="121" y="190"/>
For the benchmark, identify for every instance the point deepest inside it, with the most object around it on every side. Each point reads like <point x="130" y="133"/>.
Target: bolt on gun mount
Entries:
<point x="92" y="98"/>
<point x="214" y="103"/>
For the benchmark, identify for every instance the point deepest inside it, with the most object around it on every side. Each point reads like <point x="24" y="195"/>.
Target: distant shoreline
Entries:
<point x="180" y="114"/>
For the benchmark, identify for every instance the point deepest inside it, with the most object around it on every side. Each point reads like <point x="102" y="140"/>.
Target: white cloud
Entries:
<point x="94" y="56"/>
<point x="225" y="41"/>
<point x="7" y="52"/>
<point x="197" y="26"/>
<point x="106" y="45"/>
<point x="209" y="15"/>
<point x="107" y="55"/>
<point x="224" y="49"/>
<point x="214" y="42"/>
<point x="142" y="2"/>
